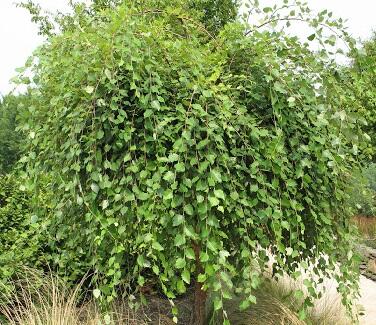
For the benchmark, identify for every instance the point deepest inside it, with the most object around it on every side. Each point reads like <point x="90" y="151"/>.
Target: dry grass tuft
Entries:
<point x="269" y="310"/>
<point x="39" y="299"/>
<point x="366" y="226"/>
<point x="277" y="305"/>
<point x="44" y="300"/>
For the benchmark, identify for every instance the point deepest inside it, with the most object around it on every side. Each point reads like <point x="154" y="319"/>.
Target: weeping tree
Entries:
<point x="184" y="156"/>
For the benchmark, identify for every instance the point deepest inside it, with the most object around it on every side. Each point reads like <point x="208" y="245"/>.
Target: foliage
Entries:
<point x="363" y="192"/>
<point x="213" y="14"/>
<point x="180" y="155"/>
<point x="361" y="89"/>
<point x="370" y="175"/>
<point x="10" y="139"/>
<point x="22" y="239"/>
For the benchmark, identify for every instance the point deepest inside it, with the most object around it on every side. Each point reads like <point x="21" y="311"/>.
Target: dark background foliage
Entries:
<point x="10" y="139"/>
<point x="23" y="236"/>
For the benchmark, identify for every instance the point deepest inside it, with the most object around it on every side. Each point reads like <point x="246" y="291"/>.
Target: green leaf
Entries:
<point x="94" y="187"/>
<point x="105" y="204"/>
<point x="189" y="231"/>
<point x="141" y="261"/>
<point x="311" y="37"/>
<point x="89" y="89"/>
<point x="202" y="144"/>
<point x="121" y="230"/>
<point x="108" y="74"/>
<point x="180" y="167"/>
<point x="148" y="237"/>
<point x="186" y="276"/>
<point x="34" y="219"/>
<point x="207" y="93"/>
<point x="217" y="175"/>
<point x="302" y="314"/>
<point x="155" y="269"/>
<point x="96" y="293"/>
<point x="181" y="286"/>
<point x="189" y="253"/>
<point x="169" y="176"/>
<point x="107" y="319"/>
<point x="178" y="220"/>
<point x="279" y="87"/>
<point x="127" y="157"/>
<point x="234" y="196"/>
<point x="219" y="194"/>
<point x="217" y="303"/>
<point x="173" y="157"/>
<point x="168" y="195"/>
<point x="201" y="278"/>
<point x="143" y="196"/>
<point x="179" y="240"/>
<point x="157" y="246"/>
<point x="148" y="113"/>
<point x="155" y="104"/>
<point x="203" y="166"/>
<point x="100" y="134"/>
<point x="141" y="280"/>
<point x="204" y="257"/>
<point x="298" y="294"/>
<point x="188" y="208"/>
<point x="80" y="200"/>
<point x="213" y="201"/>
<point x="180" y="263"/>
<point x="244" y="305"/>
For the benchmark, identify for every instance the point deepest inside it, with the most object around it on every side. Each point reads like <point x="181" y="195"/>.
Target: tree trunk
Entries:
<point x="199" y="305"/>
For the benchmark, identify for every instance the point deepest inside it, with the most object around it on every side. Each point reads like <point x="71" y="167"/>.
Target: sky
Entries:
<point x="19" y="36"/>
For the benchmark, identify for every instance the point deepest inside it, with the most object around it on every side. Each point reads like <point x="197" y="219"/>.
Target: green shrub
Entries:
<point x="178" y="155"/>
<point x="10" y="139"/>
<point x="360" y="83"/>
<point x="22" y="237"/>
<point x="363" y="192"/>
<point x="370" y="175"/>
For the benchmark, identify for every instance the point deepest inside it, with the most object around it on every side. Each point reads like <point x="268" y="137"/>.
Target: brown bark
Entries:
<point x="200" y="295"/>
